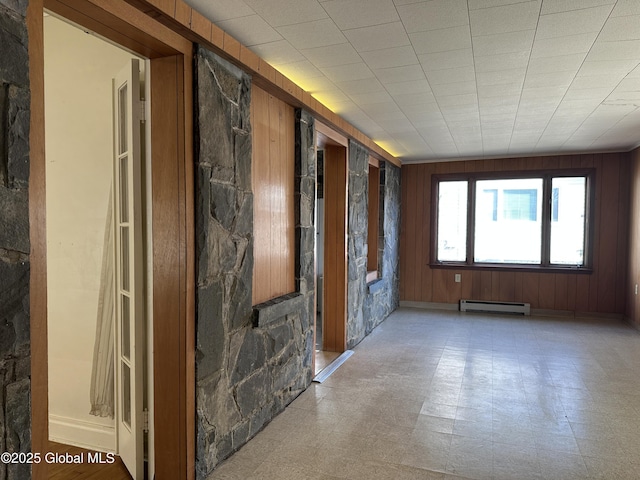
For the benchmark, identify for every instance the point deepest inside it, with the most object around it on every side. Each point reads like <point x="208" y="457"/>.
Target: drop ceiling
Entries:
<point x="450" y="79"/>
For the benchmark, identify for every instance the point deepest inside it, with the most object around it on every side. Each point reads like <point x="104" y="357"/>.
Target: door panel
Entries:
<point x="129" y="269"/>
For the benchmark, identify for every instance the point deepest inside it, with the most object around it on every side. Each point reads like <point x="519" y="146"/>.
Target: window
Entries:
<point x="537" y="220"/>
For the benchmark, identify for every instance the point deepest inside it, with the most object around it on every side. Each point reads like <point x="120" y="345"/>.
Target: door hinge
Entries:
<point x="145" y="420"/>
<point x="143" y="111"/>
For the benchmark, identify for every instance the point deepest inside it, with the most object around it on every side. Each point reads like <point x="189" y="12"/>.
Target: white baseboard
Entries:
<point x="79" y="433"/>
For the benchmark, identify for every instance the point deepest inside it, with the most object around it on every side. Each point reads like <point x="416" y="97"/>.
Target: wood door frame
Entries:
<point x="173" y="254"/>
<point x="336" y="177"/>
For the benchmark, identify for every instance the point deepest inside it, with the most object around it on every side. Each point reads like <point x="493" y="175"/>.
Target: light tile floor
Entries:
<point x="445" y="395"/>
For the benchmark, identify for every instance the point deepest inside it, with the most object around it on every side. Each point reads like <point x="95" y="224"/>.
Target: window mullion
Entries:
<point x="546" y="221"/>
<point x="471" y="220"/>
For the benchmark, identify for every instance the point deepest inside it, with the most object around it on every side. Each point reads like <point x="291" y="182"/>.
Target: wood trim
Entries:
<point x="328" y="136"/>
<point x="335" y="249"/>
<point x="173" y="223"/>
<point x="123" y="24"/>
<point x="38" y="238"/>
<point x="173" y="273"/>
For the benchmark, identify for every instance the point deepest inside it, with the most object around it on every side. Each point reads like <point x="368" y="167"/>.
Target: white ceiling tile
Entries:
<point x="287" y="12"/>
<point x="558" y="79"/>
<point x="557" y="6"/>
<point x="476" y="4"/>
<point x="332" y="55"/>
<point x="360" y="86"/>
<point x="399" y="74"/>
<point x="221" y="9"/>
<point x="621" y="28"/>
<point x="454" y="88"/>
<point x="373" y="97"/>
<point x="345" y="73"/>
<point x="360" y="13"/>
<point x="299" y="70"/>
<point x="412" y="99"/>
<point x="331" y="96"/>
<point x="510" y="89"/>
<point x="626" y="7"/>
<point x="615" y="50"/>
<point x="390" y="57"/>
<point x="560" y="63"/>
<point x="250" y="30"/>
<point x="384" y="72"/>
<point x="319" y="33"/>
<point x="376" y="38"/>
<point x="503" y="43"/>
<point x="506" y="18"/>
<point x="597" y="81"/>
<point x="505" y="61"/>
<point x="415" y="87"/>
<point x="451" y="75"/>
<point x="277" y="52"/>
<point x="383" y="110"/>
<point x="593" y="95"/>
<point x="450" y="100"/>
<point x="434" y="15"/>
<point x="613" y="67"/>
<point x="445" y="60"/>
<point x="501" y="77"/>
<point x="563" y="45"/>
<point x="443" y="40"/>
<point x="500" y="109"/>
<point x="485" y="102"/>
<point x="573" y="23"/>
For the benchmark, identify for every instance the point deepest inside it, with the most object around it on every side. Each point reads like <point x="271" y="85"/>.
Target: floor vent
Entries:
<point x="495" y="307"/>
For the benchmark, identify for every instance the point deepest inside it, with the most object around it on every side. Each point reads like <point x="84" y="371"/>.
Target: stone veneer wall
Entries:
<point x="15" y="358"/>
<point x="368" y="305"/>
<point x="250" y="361"/>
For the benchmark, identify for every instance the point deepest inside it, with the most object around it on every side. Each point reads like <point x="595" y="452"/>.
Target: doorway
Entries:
<point x="172" y="285"/>
<point x="331" y="230"/>
<point x="86" y="304"/>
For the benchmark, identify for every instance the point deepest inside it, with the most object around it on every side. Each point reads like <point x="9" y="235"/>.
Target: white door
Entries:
<point x="129" y="269"/>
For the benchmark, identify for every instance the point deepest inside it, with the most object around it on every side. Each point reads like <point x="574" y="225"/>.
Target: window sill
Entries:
<point x="513" y="268"/>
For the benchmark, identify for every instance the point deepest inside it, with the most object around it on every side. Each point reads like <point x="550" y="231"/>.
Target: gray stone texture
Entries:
<point x="15" y="384"/>
<point x="369" y="305"/>
<point x="247" y="371"/>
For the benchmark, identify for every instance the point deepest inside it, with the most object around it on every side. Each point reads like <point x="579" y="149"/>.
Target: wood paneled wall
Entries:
<point x="605" y="290"/>
<point x="633" y="271"/>
<point x="272" y="178"/>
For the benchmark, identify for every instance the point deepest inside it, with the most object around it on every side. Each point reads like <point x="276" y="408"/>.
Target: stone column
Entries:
<point x="15" y="391"/>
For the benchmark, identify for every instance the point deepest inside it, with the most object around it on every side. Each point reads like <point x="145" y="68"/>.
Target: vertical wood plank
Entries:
<point x="547" y="291"/>
<point x="561" y="291"/>
<point x="530" y="289"/>
<point x="507" y="292"/>
<point x="38" y="238"/>
<point x="426" y="276"/>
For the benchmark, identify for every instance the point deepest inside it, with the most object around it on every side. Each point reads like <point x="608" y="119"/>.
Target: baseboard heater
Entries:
<point x="495" y="307"/>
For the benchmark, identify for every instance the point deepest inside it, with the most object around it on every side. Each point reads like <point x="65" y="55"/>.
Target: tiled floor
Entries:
<point x="444" y="395"/>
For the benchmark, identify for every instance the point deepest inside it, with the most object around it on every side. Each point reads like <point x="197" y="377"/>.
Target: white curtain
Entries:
<point x="102" y="382"/>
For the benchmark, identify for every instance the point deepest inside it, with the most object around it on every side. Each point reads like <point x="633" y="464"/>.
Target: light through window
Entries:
<point x="539" y="220"/>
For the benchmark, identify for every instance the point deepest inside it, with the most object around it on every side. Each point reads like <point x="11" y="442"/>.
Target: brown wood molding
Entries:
<point x="38" y="238"/>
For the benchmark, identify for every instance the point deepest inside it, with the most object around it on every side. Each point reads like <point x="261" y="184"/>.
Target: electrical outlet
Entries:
<point x="636" y="292"/>
<point x="458" y="279"/>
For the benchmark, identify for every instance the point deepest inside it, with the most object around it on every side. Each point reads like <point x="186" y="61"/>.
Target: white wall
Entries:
<point x="78" y="72"/>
